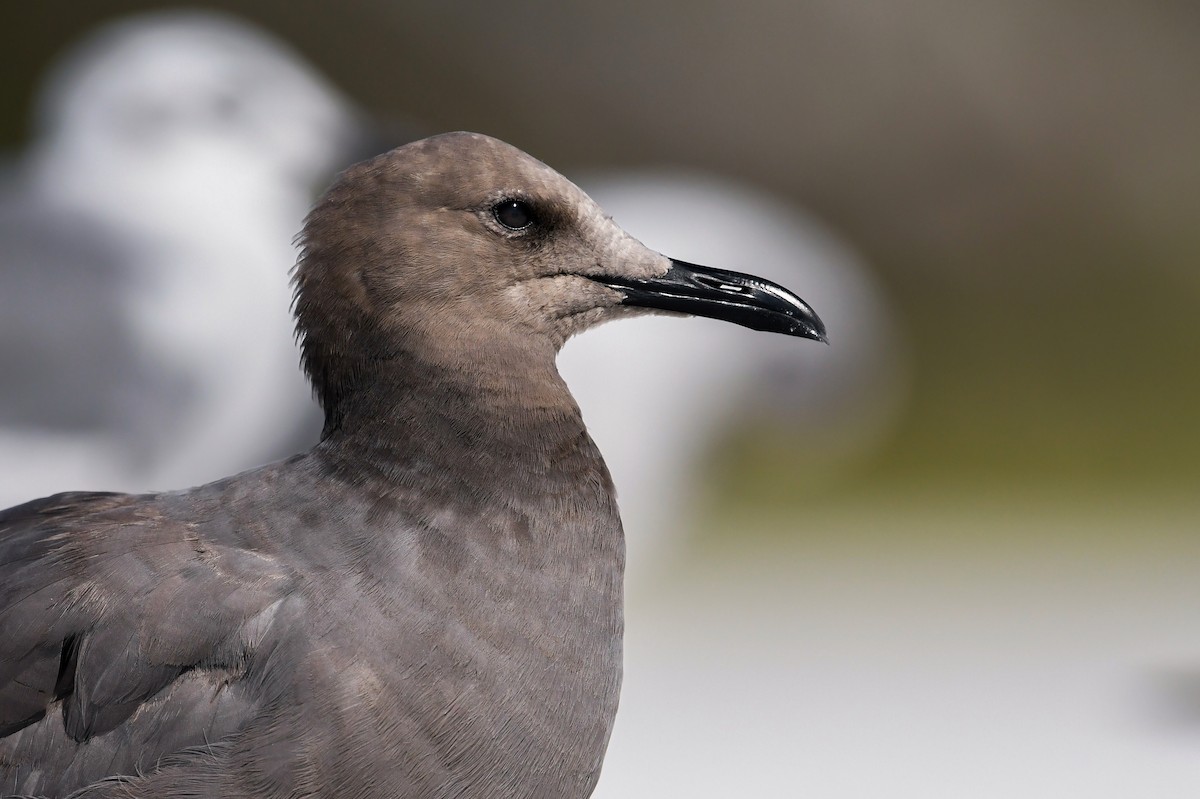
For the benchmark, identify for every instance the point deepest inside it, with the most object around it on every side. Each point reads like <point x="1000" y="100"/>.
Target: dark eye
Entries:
<point x="513" y="214"/>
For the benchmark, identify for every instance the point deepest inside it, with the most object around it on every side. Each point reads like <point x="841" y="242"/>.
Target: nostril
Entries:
<point x="711" y="282"/>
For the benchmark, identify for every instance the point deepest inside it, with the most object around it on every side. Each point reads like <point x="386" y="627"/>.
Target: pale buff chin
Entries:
<point x="563" y="305"/>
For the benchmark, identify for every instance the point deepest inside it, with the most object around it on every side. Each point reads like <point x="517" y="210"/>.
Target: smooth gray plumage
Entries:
<point x="428" y="603"/>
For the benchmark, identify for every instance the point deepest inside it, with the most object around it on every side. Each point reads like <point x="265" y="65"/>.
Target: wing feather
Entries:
<point x="108" y="605"/>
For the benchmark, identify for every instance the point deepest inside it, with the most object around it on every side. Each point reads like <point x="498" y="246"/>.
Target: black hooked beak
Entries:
<point x="719" y="294"/>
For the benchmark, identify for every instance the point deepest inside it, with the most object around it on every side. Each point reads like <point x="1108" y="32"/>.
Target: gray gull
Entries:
<point x="428" y="603"/>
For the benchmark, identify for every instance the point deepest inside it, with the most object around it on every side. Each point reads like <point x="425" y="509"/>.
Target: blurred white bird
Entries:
<point x="146" y="239"/>
<point x="654" y="410"/>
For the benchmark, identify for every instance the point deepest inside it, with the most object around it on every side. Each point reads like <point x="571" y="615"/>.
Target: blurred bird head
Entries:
<point x="192" y="99"/>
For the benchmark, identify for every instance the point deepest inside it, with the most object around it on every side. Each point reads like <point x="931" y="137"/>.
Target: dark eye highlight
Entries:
<point x="513" y="214"/>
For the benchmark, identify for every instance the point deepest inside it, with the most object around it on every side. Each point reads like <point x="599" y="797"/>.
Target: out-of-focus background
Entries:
<point x="954" y="554"/>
